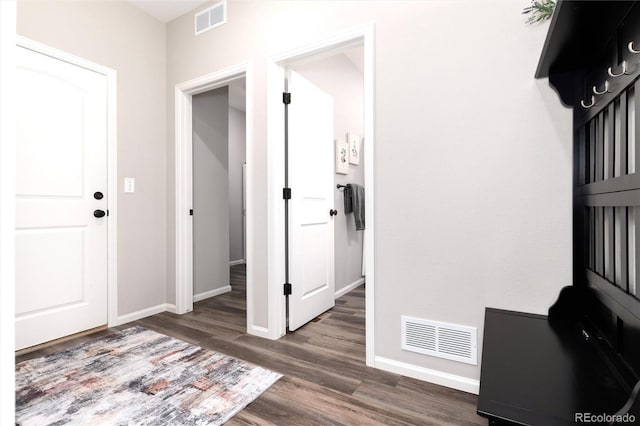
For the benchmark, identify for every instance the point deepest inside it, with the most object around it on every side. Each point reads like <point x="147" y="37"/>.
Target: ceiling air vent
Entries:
<point x="210" y="18"/>
<point x="439" y="339"/>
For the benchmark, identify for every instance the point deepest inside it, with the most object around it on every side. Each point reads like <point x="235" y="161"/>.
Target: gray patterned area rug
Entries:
<point x="136" y="377"/>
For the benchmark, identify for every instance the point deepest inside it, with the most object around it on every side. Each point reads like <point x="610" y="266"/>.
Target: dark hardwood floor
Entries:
<point x="325" y="378"/>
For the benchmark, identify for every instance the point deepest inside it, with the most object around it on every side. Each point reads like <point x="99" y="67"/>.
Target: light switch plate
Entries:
<point x="129" y="185"/>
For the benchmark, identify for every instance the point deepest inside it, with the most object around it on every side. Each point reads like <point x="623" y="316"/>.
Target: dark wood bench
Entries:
<point x="541" y="371"/>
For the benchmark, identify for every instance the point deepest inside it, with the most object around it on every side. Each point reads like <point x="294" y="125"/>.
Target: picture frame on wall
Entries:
<point x="342" y="157"/>
<point x="354" y="148"/>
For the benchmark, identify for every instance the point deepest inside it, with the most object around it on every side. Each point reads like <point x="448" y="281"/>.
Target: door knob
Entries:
<point x="333" y="212"/>
<point x="98" y="195"/>
<point x="99" y="213"/>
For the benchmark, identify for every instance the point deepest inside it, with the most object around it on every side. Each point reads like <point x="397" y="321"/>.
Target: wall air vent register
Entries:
<point x="211" y="17"/>
<point x="439" y="339"/>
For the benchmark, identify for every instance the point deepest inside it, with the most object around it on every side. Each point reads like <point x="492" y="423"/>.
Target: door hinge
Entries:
<point x="287" y="289"/>
<point x="286" y="193"/>
<point x="190" y="212"/>
<point x="286" y="98"/>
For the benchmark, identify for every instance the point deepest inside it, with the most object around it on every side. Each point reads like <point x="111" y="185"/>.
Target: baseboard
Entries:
<point x="143" y="313"/>
<point x="350" y="287"/>
<point x="171" y="308"/>
<point x="207" y="294"/>
<point x="236" y="262"/>
<point x="428" y="375"/>
<point x="263" y="332"/>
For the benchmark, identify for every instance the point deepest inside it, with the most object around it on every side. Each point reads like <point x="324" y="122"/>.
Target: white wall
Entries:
<point x="210" y="191"/>
<point x="472" y="155"/>
<point x="338" y="76"/>
<point x="7" y="210"/>
<point x="237" y="154"/>
<point x="121" y="37"/>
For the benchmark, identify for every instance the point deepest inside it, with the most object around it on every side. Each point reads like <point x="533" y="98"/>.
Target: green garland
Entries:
<point x="540" y="10"/>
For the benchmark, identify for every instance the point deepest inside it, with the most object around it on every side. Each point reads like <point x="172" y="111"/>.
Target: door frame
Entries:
<point x="361" y="36"/>
<point x="112" y="165"/>
<point x="7" y="209"/>
<point x="184" y="179"/>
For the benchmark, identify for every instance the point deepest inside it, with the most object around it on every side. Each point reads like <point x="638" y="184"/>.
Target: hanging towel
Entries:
<point x="347" y="193"/>
<point x="357" y="196"/>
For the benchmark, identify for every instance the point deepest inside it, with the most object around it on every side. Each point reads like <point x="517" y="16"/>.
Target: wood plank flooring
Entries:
<point x="326" y="381"/>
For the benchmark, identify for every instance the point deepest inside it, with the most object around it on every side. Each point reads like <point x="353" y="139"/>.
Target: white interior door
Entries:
<point x="61" y="247"/>
<point x="311" y="147"/>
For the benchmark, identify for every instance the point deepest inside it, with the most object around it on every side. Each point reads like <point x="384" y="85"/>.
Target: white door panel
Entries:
<point x="311" y="232"/>
<point x="54" y="168"/>
<point x="61" y="248"/>
<point x="37" y="266"/>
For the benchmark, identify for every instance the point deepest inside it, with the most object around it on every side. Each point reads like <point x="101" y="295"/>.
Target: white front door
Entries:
<point x="61" y="247"/>
<point x="311" y="147"/>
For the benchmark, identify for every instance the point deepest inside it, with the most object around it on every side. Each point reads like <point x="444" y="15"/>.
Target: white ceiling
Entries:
<point x="166" y="10"/>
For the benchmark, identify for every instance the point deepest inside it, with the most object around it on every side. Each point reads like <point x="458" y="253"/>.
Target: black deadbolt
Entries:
<point x="99" y="213"/>
<point x="333" y="212"/>
<point x="98" y="195"/>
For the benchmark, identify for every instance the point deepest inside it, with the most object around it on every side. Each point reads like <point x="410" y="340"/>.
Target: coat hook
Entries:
<point x="631" y="49"/>
<point x="606" y="88"/>
<point x="624" y="70"/>
<point x="593" y="102"/>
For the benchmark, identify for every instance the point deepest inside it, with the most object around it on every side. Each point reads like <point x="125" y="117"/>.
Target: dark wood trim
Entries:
<point x="624" y="145"/>
<point x="580" y="159"/>
<point x="616" y="299"/>
<point x="609" y="223"/>
<point x="610" y="141"/>
<point x="623" y="244"/>
<point x="592" y="239"/>
<point x="599" y="130"/>
<point x="637" y="249"/>
<point x="516" y="313"/>
<point x="580" y="216"/>
<point x="600" y="240"/>
<point x="620" y="183"/>
<point x="614" y="199"/>
<point x="636" y="97"/>
<point x="617" y="86"/>
<point x="572" y="41"/>
<point x="592" y="151"/>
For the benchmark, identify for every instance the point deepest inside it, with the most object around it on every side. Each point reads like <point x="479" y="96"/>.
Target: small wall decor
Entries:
<point x="342" y="157"/>
<point x="354" y="148"/>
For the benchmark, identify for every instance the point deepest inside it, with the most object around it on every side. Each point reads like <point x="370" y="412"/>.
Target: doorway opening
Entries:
<point x="211" y="182"/>
<point x="327" y="110"/>
<point x="282" y="70"/>
<point x="218" y="162"/>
